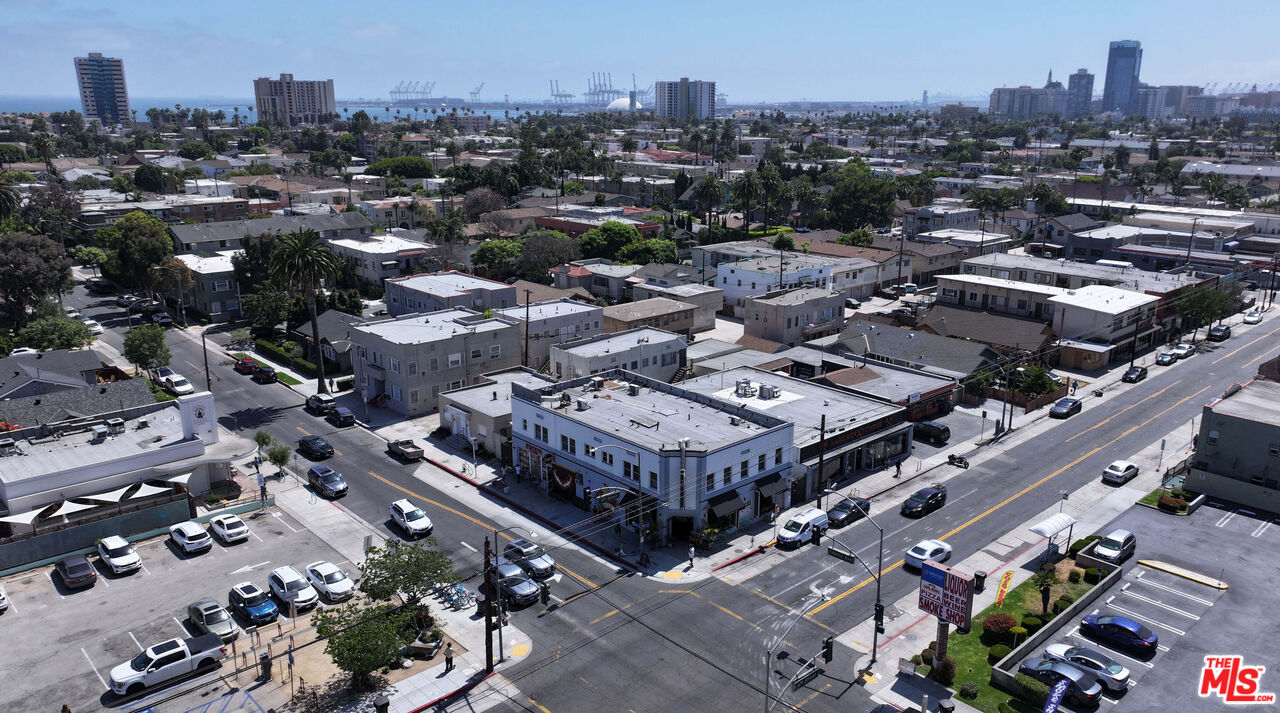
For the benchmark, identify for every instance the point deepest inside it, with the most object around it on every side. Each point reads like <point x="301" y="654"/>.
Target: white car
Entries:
<point x="72" y="312"/>
<point x="94" y="327"/>
<point x="1183" y="350"/>
<point x="190" y="537"/>
<point x="410" y="518"/>
<point x="20" y="351"/>
<point x="1253" y="316"/>
<point x="118" y="555"/>
<point x="935" y="550"/>
<point x="4" y="599"/>
<point x="229" y="528"/>
<point x="330" y="581"/>
<point x="292" y="589"/>
<point x="178" y="385"/>
<point x="1107" y="670"/>
<point x="1120" y="472"/>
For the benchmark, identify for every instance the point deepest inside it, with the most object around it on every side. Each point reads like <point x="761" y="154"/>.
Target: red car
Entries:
<point x="246" y="365"/>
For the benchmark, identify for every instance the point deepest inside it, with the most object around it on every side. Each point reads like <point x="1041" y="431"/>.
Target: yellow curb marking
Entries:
<point x="520" y="650"/>
<point x="673" y="575"/>
<point x="1187" y="574"/>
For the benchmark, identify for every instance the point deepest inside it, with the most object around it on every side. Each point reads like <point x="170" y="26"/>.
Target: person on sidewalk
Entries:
<point x="448" y="657"/>
<point x="262" y="487"/>
<point x="897" y="470"/>
<point x="691" y="555"/>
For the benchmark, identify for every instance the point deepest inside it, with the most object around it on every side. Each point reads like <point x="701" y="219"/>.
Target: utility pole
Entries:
<point x="208" y="380"/>
<point x="488" y="609"/>
<point x="822" y="457"/>
<point x="527" y="292"/>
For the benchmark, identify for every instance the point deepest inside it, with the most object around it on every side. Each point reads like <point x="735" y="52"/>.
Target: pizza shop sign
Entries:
<point x="946" y="593"/>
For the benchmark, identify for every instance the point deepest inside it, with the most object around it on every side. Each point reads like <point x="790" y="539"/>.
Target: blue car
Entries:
<point x="251" y="602"/>
<point x="1120" y="631"/>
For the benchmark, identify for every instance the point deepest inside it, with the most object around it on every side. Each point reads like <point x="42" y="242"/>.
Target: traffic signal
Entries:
<point x="879" y="618"/>
<point x="828" y="649"/>
<point x="544" y="593"/>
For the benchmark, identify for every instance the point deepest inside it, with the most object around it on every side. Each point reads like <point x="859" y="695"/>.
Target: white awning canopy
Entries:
<point x="181" y="478"/>
<point x="22" y="518"/>
<point x="147" y="489"/>
<point x="1053" y="524"/>
<point x="69" y="507"/>
<point x="111" y="496"/>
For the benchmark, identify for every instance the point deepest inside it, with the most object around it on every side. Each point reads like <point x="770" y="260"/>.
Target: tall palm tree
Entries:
<point x="709" y="194"/>
<point x="9" y="201"/>
<point x="43" y="144"/>
<point x="301" y="261"/>
<point x="747" y="192"/>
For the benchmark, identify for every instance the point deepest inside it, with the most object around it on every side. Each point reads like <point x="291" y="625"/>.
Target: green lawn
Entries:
<point x="1153" y="498"/>
<point x="970" y="653"/>
<point x="159" y="393"/>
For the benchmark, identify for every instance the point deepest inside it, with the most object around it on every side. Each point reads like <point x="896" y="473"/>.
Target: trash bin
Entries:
<point x="381" y="703"/>
<point x="979" y="581"/>
<point x="265" y="662"/>
<point x="947" y="706"/>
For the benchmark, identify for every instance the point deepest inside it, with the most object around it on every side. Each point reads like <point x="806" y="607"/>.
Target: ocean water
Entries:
<point x="30" y="104"/>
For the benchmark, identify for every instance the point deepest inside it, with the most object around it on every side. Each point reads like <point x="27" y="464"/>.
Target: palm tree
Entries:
<point x="9" y="201"/>
<point x="301" y="261"/>
<point x="747" y="192"/>
<point x="709" y="194"/>
<point x="43" y="144"/>
<point x="1044" y="581"/>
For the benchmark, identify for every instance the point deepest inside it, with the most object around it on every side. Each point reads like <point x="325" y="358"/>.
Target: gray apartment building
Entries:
<point x="647" y="351"/>
<point x="1239" y="446"/>
<point x="791" y="317"/>
<point x="214" y="292"/>
<point x="706" y="300"/>
<point x="656" y="312"/>
<point x="444" y="290"/>
<point x="550" y="323"/>
<point x="404" y="363"/>
<point x="211" y="237"/>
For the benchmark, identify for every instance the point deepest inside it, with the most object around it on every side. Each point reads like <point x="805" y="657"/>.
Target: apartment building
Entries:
<point x="292" y="101"/>
<point x="104" y="96"/>
<point x="214" y="292"/>
<point x="658" y="312"/>
<point x="443" y="290"/>
<point x="378" y="256"/>
<point x="706" y="300"/>
<point x="1239" y="444"/>
<point x="544" y="325"/>
<point x="794" y="316"/>
<point x="937" y="217"/>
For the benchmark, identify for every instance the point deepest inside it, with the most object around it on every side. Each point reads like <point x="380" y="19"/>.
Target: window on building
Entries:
<point x="1213" y="438"/>
<point x="413" y="396"/>
<point x="777" y="456"/>
<point x="744" y="470"/>
<point x="475" y="353"/>
<point x="495" y="351"/>
<point x="588" y="450"/>
<point x="395" y="392"/>
<point x="653" y="480"/>
<point x="540" y="432"/>
<point x="524" y="424"/>
<point x="711" y="481"/>
<point x="630" y="471"/>
<point x="395" y="365"/>
<point x="1274" y="450"/>
<point x="727" y="476"/>
<point x="568" y="445"/>
<point x="1022" y="304"/>
<point x="950" y="292"/>
<point x="412" y="368"/>
<point x="455" y="360"/>
<point x="221" y="285"/>
<point x="760" y="460"/>
<point x="606" y="457"/>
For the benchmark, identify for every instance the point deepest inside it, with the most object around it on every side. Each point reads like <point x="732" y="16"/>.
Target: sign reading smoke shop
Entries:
<point x="946" y="593"/>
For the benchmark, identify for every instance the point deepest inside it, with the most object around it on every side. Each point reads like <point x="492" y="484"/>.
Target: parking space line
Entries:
<point x="135" y="641"/>
<point x="55" y="585"/>
<point x="282" y="522"/>
<point x="1225" y="519"/>
<point x="181" y="628"/>
<point x="1261" y="529"/>
<point x="95" y="668"/>
<point x="145" y="570"/>
<point x="255" y="536"/>
<point x="1148" y="619"/>
<point x="467" y="546"/>
<point x="1171" y="590"/>
<point x="1164" y="606"/>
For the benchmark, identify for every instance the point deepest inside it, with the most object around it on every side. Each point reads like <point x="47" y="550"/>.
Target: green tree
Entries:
<point x="402" y="167"/>
<point x="258" y="134"/>
<point x="55" y="333"/>
<point x="1034" y="379"/>
<point x="149" y="178"/>
<point x="32" y="268"/>
<point x="279" y="457"/>
<point x="362" y="637"/>
<point x="482" y="200"/>
<point x="301" y="262"/>
<point x="648" y="251"/>
<point x="195" y="150"/>
<point x="141" y="242"/>
<point x="784" y="241"/>
<point x="252" y="263"/>
<point x="411" y="571"/>
<point x="44" y="144"/>
<point x="747" y="193"/>
<point x="90" y="256"/>
<point x="495" y="255"/>
<point x="862" y="238"/>
<point x="542" y="250"/>
<point x="1043" y="581"/>
<point x="608" y="239"/>
<point x="860" y="198"/>
<point x="86" y="183"/>
<point x="144" y="347"/>
<point x="1201" y="305"/>
<point x="263" y="439"/>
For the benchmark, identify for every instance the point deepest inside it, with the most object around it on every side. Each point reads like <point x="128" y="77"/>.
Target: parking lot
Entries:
<point x="71" y="639"/>
<point x="1192" y="620"/>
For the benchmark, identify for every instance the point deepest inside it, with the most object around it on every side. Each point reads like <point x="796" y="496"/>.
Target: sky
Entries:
<point x="756" y="51"/>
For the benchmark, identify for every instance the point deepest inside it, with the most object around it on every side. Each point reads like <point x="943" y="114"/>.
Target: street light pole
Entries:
<point x="768" y="656"/>
<point x="495" y="595"/>
<point x="879" y="612"/>
<point x="204" y="346"/>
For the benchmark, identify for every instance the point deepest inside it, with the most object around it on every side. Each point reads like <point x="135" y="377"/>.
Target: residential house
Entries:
<point x="943" y="356"/>
<point x="212" y="237"/>
<point x="927" y="260"/>
<point x="48" y="372"/>
<point x="794" y="315"/>
<point x="706" y="300"/>
<point x="1105" y="315"/>
<point x="576" y="226"/>
<point x="999" y="295"/>
<point x="443" y="290"/>
<point x="656" y="312"/>
<point x="545" y="324"/>
<point x="378" y="256"/>
<point x="335" y="339"/>
<point x="1006" y="334"/>
<point x="534" y="292"/>
<point x="1055" y="231"/>
<point x="970" y="242"/>
<point x="652" y="352"/>
<point x="214" y="292"/>
<point x="599" y="276"/>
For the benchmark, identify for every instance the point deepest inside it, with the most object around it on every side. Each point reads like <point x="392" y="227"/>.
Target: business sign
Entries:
<point x="1005" y="581"/>
<point x="1056" y="694"/>
<point x="946" y="593"/>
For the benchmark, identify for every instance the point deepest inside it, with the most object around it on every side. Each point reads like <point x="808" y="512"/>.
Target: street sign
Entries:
<point x="946" y="593"/>
<point x="842" y="555"/>
<point x="805" y="677"/>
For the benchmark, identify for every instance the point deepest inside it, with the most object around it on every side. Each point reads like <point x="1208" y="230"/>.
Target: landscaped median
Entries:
<point x="997" y="630"/>
<point x="280" y="375"/>
<point x="1177" y="502"/>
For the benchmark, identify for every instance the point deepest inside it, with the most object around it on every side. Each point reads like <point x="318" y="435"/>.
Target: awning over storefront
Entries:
<point x="771" y="485"/>
<point x="726" y="503"/>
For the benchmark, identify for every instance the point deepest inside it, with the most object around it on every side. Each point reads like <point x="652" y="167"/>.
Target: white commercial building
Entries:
<point x="685" y="99"/>
<point x="290" y="101"/>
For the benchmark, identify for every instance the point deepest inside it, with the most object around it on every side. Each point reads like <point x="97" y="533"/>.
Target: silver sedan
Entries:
<point x="1107" y="670"/>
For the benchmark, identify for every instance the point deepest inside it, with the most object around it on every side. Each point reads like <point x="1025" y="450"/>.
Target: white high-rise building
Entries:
<point x="291" y="101"/>
<point x="103" y="94"/>
<point x="685" y="99"/>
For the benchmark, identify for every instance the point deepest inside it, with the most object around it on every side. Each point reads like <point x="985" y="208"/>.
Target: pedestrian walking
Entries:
<point x="897" y="470"/>
<point x="448" y="657"/>
<point x="1075" y="384"/>
<point x="691" y="554"/>
<point x="262" y="487"/>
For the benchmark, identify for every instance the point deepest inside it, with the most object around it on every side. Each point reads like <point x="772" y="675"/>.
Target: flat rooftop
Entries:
<point x="1129" y="278"/>
<point x="1000" y="282"/>
<point x="381" y="243"/>
<point x="548" y="310"/>
<point x="208" y="264"/>
<point x="1101" y="298"/>
<point x="75" y="450"/>
<point x="1255" y="401"/>
<point x="432" y="326"/>
<point x="690" y="290"/>
<point x="644" y="309"/>
<point x="618" y="342"/>
<point x="447" y="284"/>
<point x="798" y="296"/>
<point x="494" y="399"/>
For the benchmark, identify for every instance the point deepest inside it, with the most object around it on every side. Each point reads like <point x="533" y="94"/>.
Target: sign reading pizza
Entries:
<point x="946" y="593"/>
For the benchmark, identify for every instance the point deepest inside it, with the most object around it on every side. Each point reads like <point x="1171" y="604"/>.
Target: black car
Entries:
<point x="1065" y="408"/>
<point x="1219" y="332"/>
<point x="326" y="481"/>
<point x="515" y="586"/>
<point x="848" y="510"/>
<point x="925" y="500"/>
<point x="341" y="416"/>
<point x="1166" y="358"/>
<point x="1134" y="374"/>
<point x="315" y="447"/>
<point x="264" y="375"/>
<point x="76" y="572"/>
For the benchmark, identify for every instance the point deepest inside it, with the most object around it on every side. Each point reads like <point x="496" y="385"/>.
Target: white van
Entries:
<point x="801" y="526"/>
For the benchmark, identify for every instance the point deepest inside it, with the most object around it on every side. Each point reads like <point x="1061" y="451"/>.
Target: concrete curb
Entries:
<point x="739" y="558"/>
<point x="449" y="696"/>
<point x="1187" y="574"/>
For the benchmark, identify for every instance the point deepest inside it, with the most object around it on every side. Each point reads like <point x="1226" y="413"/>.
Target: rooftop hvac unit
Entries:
<point x="742" y="388"/>
<point x="583" y="405"/>
<point x="633" y="389"/>
<point x="115" y="425"/>
<point x="734" y="420"/>
<point x="565" y="399"/>
<point x="7" y="447"/>
<point x="597" y="383"/>
<point x="768" y="391"/>
<point x="99" y="433"/>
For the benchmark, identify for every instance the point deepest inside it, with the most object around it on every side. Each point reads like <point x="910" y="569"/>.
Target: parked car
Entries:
<point x="143" y="306"/>
<point x="1116" y="547"/>
<point x="1084" y="688"/>
<point x="410" y="519"/>
<point x="932" y="432"/>
<point x="341" y="416"/>
<point x="72" y="312"/>
<point x="927" y="550"/>
<point x="252" y="603"/>
<point x="118" y="555"/>
<point x="229" y="528"/>
<point x="848" y="510"/>
<point x="1120" y="631"/>
<point x="162" y="318"/>
<point x="1134" y="374"/>
<point x="315" y="447"/>
<point x="208" y="617"/>
<point x="802" y="527"/>
<point x="1066" y="408"/>
<point x="1183" y="350"/>
<point x="245" y="366"/>
<point x="321" y="403"/>
<point x="326" y="481"/>
<point x="179" y="386"/>
<point x="1219" y="333"/>
<point x="1120" y="472"/>
<point x="76" y="572"/>
<point x="330" y="581"/>
<point x="264" y="375"/>
<point x="165" y="661"/>
<point x="535" y="562"/>
<point x="23" y="351"/>
<point x="190" y="537"/>
<point x="4" y="599"/>
<point x="94" y="327"/>
<point x="925" y="500"/>
<point x="1166" y="358"/>
<point x="406" y="448"/>
<point x="98" y="285"/>
<point x="126" y="300"/>
<point x="1253" y="316"/>
<point x="1108" y="671"/>
<point x="291" y="588"/>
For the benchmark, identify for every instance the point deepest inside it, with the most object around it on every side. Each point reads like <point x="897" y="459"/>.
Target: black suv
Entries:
<point x="315" y="447"/>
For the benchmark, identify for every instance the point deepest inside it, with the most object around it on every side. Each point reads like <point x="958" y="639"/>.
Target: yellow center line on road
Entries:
<point x="1258" y="358"/>
<point x="1013" y="497"/>
<point x="465" y="516"/>
<point x="1104" y="422"/>
<point x="1247" y="344"/>
<point x="304" y="431"/>
<point x="194" y="366"/>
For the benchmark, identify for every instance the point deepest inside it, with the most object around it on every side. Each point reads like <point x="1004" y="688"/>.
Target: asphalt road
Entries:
<point x="653" y="646"/>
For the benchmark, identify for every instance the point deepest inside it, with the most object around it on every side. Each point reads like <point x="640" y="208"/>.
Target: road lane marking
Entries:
<point x="304" y="431"/>
<point x="539" y="706"/>
<point x="95" y="669"/>
<point x="1011" y="498"/>
<point x="467" y="546"/>
<point x="194" y="366"/>
<point x="1108" y="419"/>
<point x="1164" y="606"/>
<point x="135" y="641"/>
<point x="1149" y="620"/>
<point x="1249" y="344"/>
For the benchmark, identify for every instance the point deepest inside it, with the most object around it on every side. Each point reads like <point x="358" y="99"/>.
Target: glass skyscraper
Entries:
<point x="1124" y="63"/>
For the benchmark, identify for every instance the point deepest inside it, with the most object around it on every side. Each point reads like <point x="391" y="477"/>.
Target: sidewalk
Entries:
<point x="347" y="534"/>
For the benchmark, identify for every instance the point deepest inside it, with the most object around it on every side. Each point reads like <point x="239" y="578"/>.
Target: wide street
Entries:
<point x="652" y="645"/>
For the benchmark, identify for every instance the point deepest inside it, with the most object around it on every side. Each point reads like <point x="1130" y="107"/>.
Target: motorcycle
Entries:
<point x="958" y="461"/>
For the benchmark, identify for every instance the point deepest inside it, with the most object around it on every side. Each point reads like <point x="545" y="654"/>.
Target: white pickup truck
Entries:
<point x="165" y="661"/>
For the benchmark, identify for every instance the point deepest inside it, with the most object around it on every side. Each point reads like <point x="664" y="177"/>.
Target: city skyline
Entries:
<point x="367" y="54"/>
